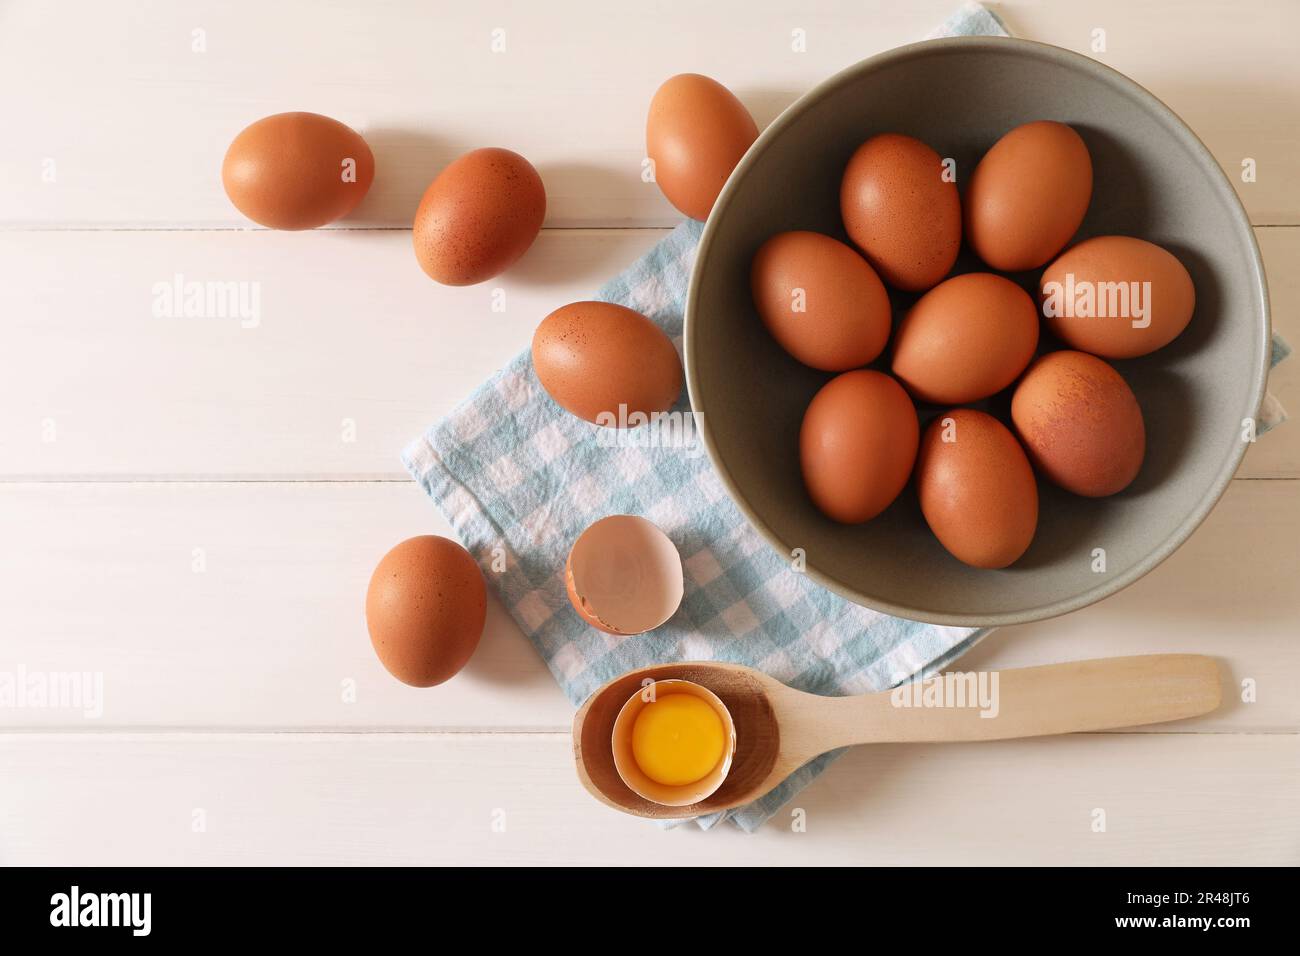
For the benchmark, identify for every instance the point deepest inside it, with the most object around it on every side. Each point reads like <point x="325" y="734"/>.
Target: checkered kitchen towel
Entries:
<point x="512" y="470"/>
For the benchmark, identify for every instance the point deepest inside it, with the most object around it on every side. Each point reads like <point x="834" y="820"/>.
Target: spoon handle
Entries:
<point x="1026" y="702"/>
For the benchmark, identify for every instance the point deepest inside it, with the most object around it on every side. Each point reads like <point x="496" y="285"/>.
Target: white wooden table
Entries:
<point x="192" y="508"/>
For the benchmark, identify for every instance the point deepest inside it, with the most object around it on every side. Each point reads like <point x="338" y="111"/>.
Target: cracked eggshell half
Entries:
<point x="624" y="575"/>
<point x="630" y="771"/>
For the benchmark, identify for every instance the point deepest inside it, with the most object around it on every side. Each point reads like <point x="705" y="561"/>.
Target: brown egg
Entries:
<point x="820" y="300"/>
<point x="1028" y="196"/>
<point x="606" y="364"/>
<point x="1117" y="296"/>
<point x="967" y="338"/>
<point x="425" y="609"/>
<point x="297" y="171"/>
<point x="857" y="445"/>
<point x="1080" y="423"/>
<point x="478" y="217"/>
<point x="696" y="133"/>
<point x="901" y="210"/>
<point x="977" y="489"/>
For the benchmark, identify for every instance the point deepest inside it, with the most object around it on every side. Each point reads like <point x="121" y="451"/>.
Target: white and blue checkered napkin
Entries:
<point x="519" y="479"/>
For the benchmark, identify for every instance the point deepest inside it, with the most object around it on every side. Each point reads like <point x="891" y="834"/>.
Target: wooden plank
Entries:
<point x="1201" y="799"/>
<point x="349" y="354"/>
<point x="100" y="578"/>
<point x="269" y="631"/>
<point x="135" y="119"/>
<point x="350" y="341"/>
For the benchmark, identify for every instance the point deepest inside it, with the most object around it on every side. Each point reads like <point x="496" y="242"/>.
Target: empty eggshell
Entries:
<point x="425" y="609"/>
<point x="478" y="217"/>
<point x="966" y="339"/>
<point x="1117" y="296"/>
<point x="606" y="364"/>
<point x="1028" y="196"/>
<point x="902" y="211"/>
<point x="624" y="575"/>
<point x="297" y="171"/>
<point x="1080" y="423"/>
<point x="696" y="133"/>
<point x="857" y="445"/>
<point x="976" y="488"/>
<point x="821" y="301"/>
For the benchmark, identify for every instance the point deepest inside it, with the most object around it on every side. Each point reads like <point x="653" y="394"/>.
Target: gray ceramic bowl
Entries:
<point x="1153" y="179"/>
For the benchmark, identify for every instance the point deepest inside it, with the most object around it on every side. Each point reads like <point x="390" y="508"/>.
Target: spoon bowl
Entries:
<point x="778" y="729"/>
<point x="743" y="691"/>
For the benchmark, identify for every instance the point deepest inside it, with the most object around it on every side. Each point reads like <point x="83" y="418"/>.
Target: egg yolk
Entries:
<point x="677" y="739"/>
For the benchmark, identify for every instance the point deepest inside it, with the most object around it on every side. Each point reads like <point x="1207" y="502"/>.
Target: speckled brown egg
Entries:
<point x="1117" y="296"/>
<point x="478" y="217"/>
<point x="967" y="338"/>
<point x="297" y="171"/>
<point x="822" y="302"/>
<point x="695" y="134"/>
<point x="1028" y="196"/>
<point x="1080" y="423"/>
<point x="977" y="489"/>
<point x="425" y="609"/>
<point x="606" y="363"/>
<point x="901" y="208"/>
<point x="857" y="445"/>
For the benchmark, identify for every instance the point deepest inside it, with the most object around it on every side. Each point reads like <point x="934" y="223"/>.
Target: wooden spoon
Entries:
<point x="779" y="729"/>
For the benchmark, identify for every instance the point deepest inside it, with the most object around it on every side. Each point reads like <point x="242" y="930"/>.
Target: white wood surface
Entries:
<point x="137" y="123"/>
<point x="128" y="441"/>
<point x="350" y="330"/>
<point x="435" y="799"/>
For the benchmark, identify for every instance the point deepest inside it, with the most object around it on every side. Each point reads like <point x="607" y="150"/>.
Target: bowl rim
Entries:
<point x="1201" y="154"/>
